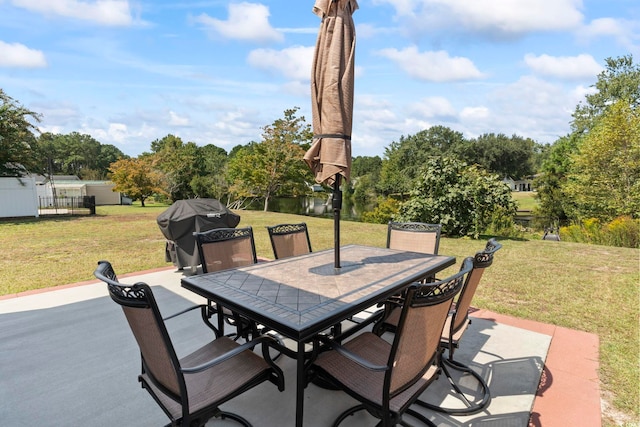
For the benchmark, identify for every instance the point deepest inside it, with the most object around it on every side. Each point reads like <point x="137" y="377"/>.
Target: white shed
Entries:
<point x="18" y="197"/>
<point x="67" y="187"/>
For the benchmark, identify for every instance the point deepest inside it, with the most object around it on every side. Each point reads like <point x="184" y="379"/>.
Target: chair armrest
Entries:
<point x="228" y="355"/>
<point x="359" y="325"/>
<point x="351" y="356"/>
<point x="186" y="310"/>
<point x="204" y="313"/>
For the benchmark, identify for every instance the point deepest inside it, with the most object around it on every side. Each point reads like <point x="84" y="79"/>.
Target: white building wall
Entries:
<point x="18" y="197"/>
<point x="104" y="193"/>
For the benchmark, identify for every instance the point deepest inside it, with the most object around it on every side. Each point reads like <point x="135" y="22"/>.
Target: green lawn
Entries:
<point x="525" y="199"/>
<point x="584" y="287"/>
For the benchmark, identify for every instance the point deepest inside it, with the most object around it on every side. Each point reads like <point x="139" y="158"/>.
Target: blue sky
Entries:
<point x="216" y="72"/>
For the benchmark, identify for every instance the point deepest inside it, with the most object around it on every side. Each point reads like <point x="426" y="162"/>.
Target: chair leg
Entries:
<point x="471" y="407"/>
<point x="224" y="415"/>
<point x="347" y="413"/>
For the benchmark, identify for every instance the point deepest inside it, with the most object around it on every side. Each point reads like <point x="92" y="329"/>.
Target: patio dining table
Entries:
<point x="299" y="297"/>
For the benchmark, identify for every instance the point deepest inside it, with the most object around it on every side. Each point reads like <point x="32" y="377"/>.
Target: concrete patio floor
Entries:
<point x="68" y="357"/>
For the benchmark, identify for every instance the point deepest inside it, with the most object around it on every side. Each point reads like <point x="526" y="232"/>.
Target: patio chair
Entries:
<point x="289" y="240"/>
<point x="414" y="236"/>
<point x="190" y="389"/>
<point x="387" y="378"/>
<point x="409" y="236"/>
<point x="223" y="248"/>
<point x="457" y="323"/>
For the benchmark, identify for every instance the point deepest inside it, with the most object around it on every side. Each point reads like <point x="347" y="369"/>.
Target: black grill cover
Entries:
<point x="184" y="217"/>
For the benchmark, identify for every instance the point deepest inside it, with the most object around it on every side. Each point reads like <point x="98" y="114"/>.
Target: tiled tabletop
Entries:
<point x="299" y="296"/>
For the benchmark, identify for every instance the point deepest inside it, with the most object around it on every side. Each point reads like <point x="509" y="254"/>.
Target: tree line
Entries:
<point x="591" y="172"/>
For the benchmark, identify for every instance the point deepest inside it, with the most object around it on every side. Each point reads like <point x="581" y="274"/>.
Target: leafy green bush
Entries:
<point x="466" y="200"/>
<point x="623" y="231"/>
<point x="503" y="225"/>
<point x="383" y="213"/>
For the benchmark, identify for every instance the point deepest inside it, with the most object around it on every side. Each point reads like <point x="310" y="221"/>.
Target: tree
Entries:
<point x="361" y="191"/>
<point x="580" y="167"/>
<point x="17" y="141"/>
<point x="273" y="166"/>
<point x="466" y="200"/>
<point x="404" y="159"/>
<point x="553" y="202"/>
<point x="210" y="182"/>
<point x="617" y="100"/>
<point x="107" y="155"/>
<point x="75" y="154"/>
<point x="178" y="161"/>
<point x="507" y="156"/>
<point x="619" y="81"/>
<point x="604" y="178"/>
<point x="137" y="178"/>
<point x="366" y="165"/>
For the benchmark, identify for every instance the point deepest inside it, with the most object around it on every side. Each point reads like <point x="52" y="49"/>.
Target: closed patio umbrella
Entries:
<point x="332" y="80"/>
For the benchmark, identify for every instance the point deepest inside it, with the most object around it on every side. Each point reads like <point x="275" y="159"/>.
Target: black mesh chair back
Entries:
<point x="414" y="236"/>
<point x="460" y="315"/>
<point x="223" y="248"/>
<point x="190" y="389"/>
<point x="289" y="240"/>
<point x="457" y="323"/>
<point x="140" y="309"/>
<point x="387" y="378"/>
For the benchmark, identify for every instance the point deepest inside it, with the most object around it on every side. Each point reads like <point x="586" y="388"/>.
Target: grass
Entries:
<point x="525" y="199"/>
<point x="578" y="286"/>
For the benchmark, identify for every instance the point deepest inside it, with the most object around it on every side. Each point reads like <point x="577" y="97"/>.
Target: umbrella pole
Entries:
<point x="336" y="202"/>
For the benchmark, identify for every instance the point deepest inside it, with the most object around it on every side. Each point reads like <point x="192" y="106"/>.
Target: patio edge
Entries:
<point x="569" y="389"/>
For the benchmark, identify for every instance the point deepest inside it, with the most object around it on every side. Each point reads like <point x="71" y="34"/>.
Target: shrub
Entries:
<point x="623" y="231"/>
<point x="466" y="200"/>
<point x="502" y="224"/>
<point x="383" y="213"/>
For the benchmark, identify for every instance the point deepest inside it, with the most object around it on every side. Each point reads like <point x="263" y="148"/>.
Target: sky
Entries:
<point x="217" y="72"/>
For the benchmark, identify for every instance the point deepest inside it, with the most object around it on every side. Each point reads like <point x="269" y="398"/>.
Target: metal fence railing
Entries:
<point x="81" y="205"/>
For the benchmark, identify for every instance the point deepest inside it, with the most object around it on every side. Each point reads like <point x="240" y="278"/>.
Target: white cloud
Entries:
<point x="375" y="125"/>
<point x="105" y="12"/>
<point x="116" y="133"/>
<point x="20" y="56"/>
<point x="564" y="67"/>
<point x="176" y="120"/>
<point x="247" y="22"/>
<point x="493" y="18"/>
<point x="434" y="107"/>
<point x="432" y="66"/>
<point x="58" y="114"/>
<point x="625" y="32"/>
<point x="293" y="62"/>
<point x="297" y="88"/>
<point x="130" y="139"/>
<point x="474" y="113"/>
<point x="531" y="107"/>
<point x="580" y="92"/>
<point x="366" y="31"/>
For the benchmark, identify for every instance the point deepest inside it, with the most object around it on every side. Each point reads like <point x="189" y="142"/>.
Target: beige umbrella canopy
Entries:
<point x="332" y="90"/>
<point x="332" y="100"/>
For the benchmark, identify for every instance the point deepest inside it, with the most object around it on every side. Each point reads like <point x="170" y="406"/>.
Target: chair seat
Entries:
<point x="364" y="382"/>
<point x="216" y="383"/>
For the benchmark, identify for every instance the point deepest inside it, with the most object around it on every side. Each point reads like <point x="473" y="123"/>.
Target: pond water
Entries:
<point x="313" y="206"/>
